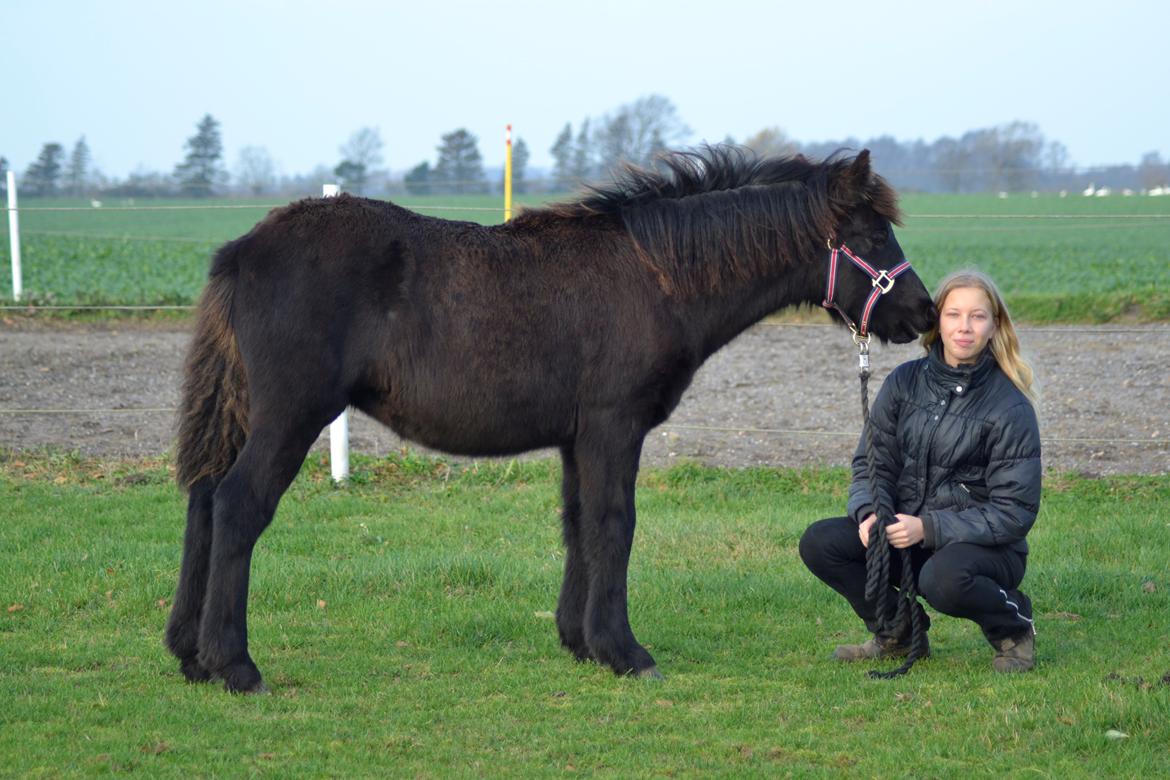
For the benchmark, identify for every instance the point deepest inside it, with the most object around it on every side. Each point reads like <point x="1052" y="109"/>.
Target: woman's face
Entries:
<point x="965" y="324"/>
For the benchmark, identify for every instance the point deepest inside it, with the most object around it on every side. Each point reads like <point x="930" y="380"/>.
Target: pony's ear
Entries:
<point x="852" y="182"/>
<point x="860" y="169"/>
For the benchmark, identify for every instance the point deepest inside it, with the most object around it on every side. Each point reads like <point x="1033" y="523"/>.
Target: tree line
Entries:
<point x="1012" y="157"/>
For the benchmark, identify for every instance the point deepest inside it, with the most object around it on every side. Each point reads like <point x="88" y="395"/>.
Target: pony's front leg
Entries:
<point x="607" y="470"/>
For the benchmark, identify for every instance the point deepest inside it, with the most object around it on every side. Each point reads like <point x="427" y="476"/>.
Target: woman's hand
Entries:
<point x="907" y="532"/>
<point x="863" y="529"/>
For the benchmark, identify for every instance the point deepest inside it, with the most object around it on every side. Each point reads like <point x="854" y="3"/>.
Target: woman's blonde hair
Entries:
<point x="1005" y="345"/>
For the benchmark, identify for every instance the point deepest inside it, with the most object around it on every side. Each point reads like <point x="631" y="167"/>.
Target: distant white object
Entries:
<point x="97" y="204"/>
<point x="1103" y="192"/>
<point x="1089" y="191"/>
<point x="1002" y="195"/>
<point x="1064" y="193"/>
<point x="14" y="237"/>
<point x="1159" y="191"/>
<point x="339" y="428"/>
<point x="1035" y="194"/>
<point x="1127" y="192"/>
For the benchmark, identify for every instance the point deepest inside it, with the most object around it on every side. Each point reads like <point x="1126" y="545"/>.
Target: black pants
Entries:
<point x="963" y="580"/>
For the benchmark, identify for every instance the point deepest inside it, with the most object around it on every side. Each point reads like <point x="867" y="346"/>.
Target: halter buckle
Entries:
<point x="883" y="281"/>
<point x="862" y="343"/>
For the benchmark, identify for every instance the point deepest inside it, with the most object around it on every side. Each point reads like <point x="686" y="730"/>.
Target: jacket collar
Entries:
<point x="964" y="376"/>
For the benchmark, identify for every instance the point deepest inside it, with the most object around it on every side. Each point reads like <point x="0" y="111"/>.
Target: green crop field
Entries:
<point x="404" y="624"/>
<point x="1057" y="259"/>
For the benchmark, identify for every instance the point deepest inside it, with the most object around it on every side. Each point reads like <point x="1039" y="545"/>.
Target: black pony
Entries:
<point x="577" y="326"/>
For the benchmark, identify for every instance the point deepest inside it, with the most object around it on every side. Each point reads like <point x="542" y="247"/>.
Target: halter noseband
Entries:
<point x="882" y="280"/>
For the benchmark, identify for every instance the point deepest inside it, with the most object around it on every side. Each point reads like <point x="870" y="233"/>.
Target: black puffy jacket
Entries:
<point x="958" y="447"/>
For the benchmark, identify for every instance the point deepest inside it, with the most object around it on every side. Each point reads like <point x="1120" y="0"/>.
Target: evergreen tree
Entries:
<point x="418" y="180"/>
<point x="4" y="175"/>
<point x="202" y="172"/>
<point x="562" y="154"/>
<point x="352" y="176"/>
<point x="583" y="154"/>
<point x="460" y="166"/>
<point x="519" y="166"/>
<point x="42" y="176"/>
<point x="77" y="176"/>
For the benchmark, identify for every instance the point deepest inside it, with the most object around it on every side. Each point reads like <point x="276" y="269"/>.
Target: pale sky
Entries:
<point x="299" y="77"/>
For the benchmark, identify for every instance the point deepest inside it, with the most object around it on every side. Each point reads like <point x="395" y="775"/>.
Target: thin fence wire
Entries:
<point x="664" y="427"/>
<point x="1156" y="329"/>
<point x="500" y="209"/>
<point x="221" y="207"/>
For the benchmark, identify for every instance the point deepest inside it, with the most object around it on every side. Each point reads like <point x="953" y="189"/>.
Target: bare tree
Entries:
<point x="255" y="171"/>
<point x="1016" y="155"/>
<point x="1153" y="172"/>
<point x="772" y="142"/>
<point x="637" y="131"/>
<point x="361" y="155"/>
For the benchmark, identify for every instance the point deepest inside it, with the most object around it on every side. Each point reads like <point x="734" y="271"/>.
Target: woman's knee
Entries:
<point x="821" y="542"/>
<point x="944" y="587"/>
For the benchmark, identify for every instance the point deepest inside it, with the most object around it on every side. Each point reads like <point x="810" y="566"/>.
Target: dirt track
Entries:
<point x="754" y="403"/>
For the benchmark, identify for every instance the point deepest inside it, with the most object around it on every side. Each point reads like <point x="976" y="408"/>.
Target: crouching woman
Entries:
<point x="957" y="449"/>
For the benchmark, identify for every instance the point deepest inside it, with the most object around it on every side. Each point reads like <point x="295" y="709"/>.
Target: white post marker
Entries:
<point x="14" y="237"/>
<point x="339" y="428"/>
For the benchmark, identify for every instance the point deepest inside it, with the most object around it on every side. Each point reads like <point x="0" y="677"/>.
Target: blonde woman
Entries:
<point x="957" y="447"/>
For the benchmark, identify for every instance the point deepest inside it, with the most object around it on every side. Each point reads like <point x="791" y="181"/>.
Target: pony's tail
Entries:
<point x="213" y="417"/>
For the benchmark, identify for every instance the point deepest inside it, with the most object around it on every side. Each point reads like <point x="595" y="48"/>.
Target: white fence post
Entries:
<point x="14" y="237"/>
<point x="339" y="428"/>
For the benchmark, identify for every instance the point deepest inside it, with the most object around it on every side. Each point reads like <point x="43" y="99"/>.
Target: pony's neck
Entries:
<point x="720" y="317"/>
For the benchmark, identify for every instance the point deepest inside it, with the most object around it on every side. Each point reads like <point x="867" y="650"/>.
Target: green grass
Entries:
<point x="403" y="624"/>
<point x="1107" y="264"/>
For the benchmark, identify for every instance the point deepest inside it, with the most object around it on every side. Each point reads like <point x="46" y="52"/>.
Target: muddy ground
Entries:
<point x="780" y="395"/>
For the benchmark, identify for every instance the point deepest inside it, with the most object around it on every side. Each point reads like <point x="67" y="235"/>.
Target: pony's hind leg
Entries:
<point x="575" y="586"/>
<point x="182" y="635"/>
<point x="245" y="503"/>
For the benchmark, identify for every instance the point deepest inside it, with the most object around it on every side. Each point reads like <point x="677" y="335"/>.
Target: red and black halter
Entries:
<point x="882" y="280"/>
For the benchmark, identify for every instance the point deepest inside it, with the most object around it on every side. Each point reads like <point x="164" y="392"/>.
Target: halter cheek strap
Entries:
<point x="882" y="280"/>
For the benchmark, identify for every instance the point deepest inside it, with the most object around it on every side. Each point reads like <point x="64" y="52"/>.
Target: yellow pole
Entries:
<point x="508" y="174"/>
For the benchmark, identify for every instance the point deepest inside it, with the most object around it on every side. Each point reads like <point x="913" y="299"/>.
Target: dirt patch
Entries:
<point x="779" y="395"/>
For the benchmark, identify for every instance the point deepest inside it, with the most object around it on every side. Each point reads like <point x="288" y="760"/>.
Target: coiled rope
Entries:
<point x="906" y="612"/>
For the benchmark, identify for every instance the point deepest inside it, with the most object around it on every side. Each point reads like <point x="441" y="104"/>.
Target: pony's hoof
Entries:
<point x="650" y="673"/>
<point x="242" y="678"/>
<point x="194" y="671"/>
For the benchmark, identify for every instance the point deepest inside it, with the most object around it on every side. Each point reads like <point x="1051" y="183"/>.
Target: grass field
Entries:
<point x="404" y="626"/>
<point x="1058" y="259"/>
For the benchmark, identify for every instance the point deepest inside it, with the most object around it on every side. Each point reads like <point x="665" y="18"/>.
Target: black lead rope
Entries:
<point x="891" y="622"/>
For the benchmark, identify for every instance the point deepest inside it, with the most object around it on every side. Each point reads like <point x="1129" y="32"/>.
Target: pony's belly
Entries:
<point x="472" y="429"/>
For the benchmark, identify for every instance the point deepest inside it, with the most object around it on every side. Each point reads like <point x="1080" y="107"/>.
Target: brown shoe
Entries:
<point x="873" y="649"/>
<point x="1015" y="655"/>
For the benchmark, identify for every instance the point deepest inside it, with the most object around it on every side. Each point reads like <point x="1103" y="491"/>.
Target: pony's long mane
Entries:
<point x="707" y="217"/>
